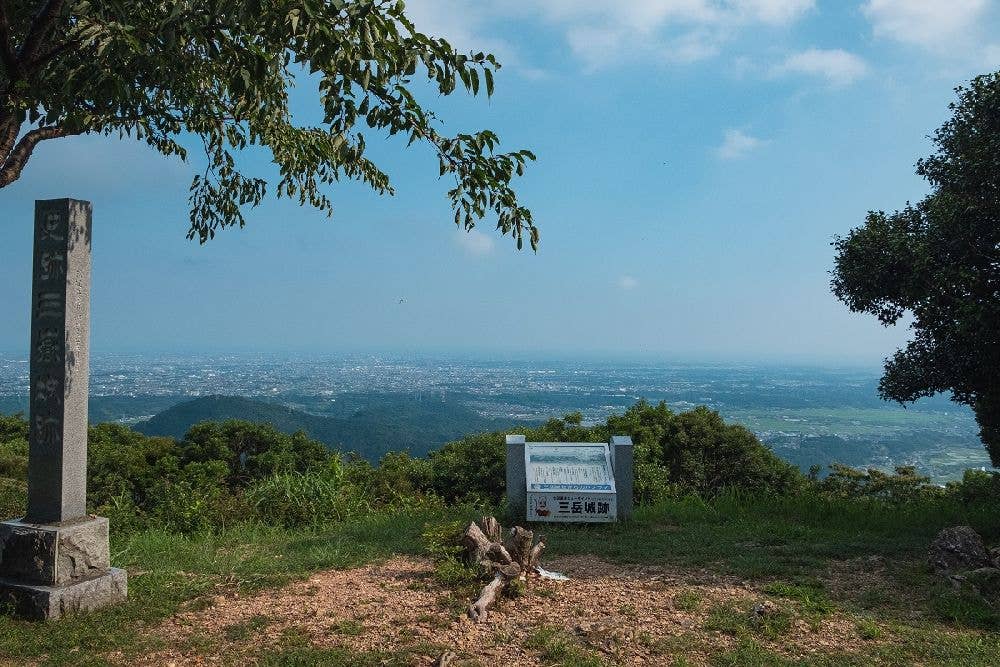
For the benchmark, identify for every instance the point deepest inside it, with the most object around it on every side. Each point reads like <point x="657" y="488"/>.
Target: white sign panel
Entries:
<point x="569" y="482"/>
<point x="571" y="507"/>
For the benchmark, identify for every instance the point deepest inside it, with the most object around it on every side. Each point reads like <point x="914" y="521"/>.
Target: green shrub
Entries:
<point x="652" y="482"/>
<point x="475" y="466"/>
<point x="13" y="465"/>
<point x="251" y="451"/>
<point x="123" y="515"/>
<point x="13" y="427"/>
<point x="905" y="485"/>
<point x="195" y="500"/>
<point x="443" y="543"/>
<point x="122" y="461"/>
<point x="13" y="447"/>
<point x="399" y="477"/>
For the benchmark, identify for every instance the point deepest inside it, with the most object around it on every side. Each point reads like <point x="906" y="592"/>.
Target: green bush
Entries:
<point x="475" y="466"/>
<point x="13" y="447"/>
<point x="251" y="451"/>
<point x="195" y="499"/>
<point x="13" y="499"/>
<point x="13" y="464"/>
<point x="13" y="427"/>
<point x="977" y="487"/>
<point x="121" y="461"/>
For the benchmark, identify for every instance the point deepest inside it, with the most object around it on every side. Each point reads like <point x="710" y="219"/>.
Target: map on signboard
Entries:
<point x="568" y="467"/>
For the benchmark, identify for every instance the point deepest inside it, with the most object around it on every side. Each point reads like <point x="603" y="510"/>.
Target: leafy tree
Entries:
<point x="939" y="260"/>
<point x="221" y="70"/>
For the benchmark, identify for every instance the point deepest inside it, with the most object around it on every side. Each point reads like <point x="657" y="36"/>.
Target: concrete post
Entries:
<point x="517" y="482"/>
<point x="622" y="463"/>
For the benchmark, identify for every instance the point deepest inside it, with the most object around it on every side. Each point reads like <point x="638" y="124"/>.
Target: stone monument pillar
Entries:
<point x="56" y="560"/>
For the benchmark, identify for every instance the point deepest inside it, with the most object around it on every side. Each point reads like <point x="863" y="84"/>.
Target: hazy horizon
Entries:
<point x="483" y="354"/>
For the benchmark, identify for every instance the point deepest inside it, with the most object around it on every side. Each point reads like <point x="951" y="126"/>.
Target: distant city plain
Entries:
<point x="810" y="415"/>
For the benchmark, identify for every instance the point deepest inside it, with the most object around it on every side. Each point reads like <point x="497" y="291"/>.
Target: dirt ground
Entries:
<point x="628" y="615"/>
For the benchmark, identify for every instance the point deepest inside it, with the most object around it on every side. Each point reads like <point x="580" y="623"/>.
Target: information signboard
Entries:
<point x="569" y="482"/>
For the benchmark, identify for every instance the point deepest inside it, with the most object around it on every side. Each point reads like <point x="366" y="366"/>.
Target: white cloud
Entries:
<point x="737" y="144"/>
<point x="778" y="12"/>
<point x="627" y="283"/>
<point x="934" y="24"/>
<point x="837" y="66"/>
<point x="474" y="242"/>
<point x="601" y="33"/>
<point x="462" y="23"/>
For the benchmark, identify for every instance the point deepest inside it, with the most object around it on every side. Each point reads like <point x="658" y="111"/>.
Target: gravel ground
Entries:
<point x="625" y="615"/>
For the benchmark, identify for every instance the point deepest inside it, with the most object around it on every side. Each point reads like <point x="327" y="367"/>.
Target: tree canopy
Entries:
<point x="939" y="261"/>
<point x="221" y="70"/>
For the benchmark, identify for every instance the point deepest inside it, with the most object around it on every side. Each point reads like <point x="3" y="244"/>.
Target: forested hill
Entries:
<point x="394" y="423"/>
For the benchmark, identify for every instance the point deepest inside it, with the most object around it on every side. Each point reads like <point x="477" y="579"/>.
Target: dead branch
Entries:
<point x="506" y="562"/>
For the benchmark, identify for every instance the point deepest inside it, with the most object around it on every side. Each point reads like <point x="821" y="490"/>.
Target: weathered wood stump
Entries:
<point x="507" y="560"/>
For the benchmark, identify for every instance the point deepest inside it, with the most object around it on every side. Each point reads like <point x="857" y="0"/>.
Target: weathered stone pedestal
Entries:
<point x="50" y="570"/>
<point x="56" y="560"/>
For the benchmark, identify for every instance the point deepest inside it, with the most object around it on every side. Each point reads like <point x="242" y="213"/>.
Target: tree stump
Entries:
<point x="507" y="560"/>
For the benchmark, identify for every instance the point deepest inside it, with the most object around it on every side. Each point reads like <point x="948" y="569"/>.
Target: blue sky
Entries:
<point x="695" y="159"/>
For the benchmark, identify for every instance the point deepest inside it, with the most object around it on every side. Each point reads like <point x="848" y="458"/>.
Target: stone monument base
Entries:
<point x="49" y="570"/>
<point x="41" y="603"/>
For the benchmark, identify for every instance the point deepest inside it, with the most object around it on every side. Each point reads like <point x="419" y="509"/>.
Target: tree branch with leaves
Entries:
<point x="162" y="70"/>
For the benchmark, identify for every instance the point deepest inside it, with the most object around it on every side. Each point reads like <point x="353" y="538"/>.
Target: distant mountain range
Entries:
<point x="390" y="423"/>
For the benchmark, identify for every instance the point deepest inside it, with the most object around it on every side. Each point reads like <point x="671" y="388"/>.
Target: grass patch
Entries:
<point x="966" y="609"/>
<point x="310" y="656"/>
<point x="770" y="536"/>
<point x="242" y="631"/>
<point x="557" y="647"/>
<point x="868" y="629"/>
<point x="770" y="621"/>
<point x="813" y="600"/>
<point x="348" y="627"/>
<point x="687" y="600"/>
<point x="749" y="653"/>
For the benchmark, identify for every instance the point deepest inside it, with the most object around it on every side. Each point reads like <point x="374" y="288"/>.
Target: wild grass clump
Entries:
<point x="312" y="498"/>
